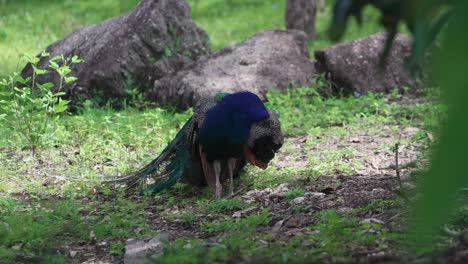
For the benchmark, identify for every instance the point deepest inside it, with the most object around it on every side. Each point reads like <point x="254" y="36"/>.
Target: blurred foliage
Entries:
<point x="425" y="19"/>
<point x="449" y="170"/>
<point x="27" y="26"/>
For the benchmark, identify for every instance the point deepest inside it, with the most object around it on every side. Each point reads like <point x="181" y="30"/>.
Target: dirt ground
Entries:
<point x="375" y="180"/>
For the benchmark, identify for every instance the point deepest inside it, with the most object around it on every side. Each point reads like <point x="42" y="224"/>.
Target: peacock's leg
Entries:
<point x="231" y="167"/>
<point x="217" y="170"/>
<point x="208" y="171"/>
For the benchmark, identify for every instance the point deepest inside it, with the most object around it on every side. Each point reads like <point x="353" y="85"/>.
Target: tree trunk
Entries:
<point x="322" y="5"/>
<point x="300" y="15"/>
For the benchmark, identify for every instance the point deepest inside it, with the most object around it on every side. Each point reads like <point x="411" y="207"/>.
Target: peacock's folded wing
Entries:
<point x="181" y="159"/>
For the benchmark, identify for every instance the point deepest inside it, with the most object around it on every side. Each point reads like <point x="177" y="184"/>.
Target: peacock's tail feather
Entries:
<point x="168" y="168"/>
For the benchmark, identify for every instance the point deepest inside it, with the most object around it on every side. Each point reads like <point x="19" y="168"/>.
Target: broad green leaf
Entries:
<point x="65" y="71"/>
<point x="58" y="57"/>
<point x="25" y="90"/>
<point x="76" y="60"/>
<point x="39" y="71"/>
<point x="61" y="106"/>
<point x="45" y="86"/>
<point x="23" y="80"/>
<point x="70" y="79"/>
<point x="45" y="54"/>
<point x="31" y="59"/>
<point x="53" y="64"/>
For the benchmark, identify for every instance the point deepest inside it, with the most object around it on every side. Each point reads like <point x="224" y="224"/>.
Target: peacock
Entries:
<point x="224" y="133"/>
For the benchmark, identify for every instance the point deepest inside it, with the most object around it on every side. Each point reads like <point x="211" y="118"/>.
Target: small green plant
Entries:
<point x="180" y="186"/>
<point x="245" y="225"/>
<point x="189" y="219"/>
<point x="116" y="249"/>
<point x="294" y="193"/>
<point x="340" y="236"/>
<point x="31" y="107"/>
<point x="8" y="205"/>
<point x="134" y="96"/>
<point x="224" y="205"/>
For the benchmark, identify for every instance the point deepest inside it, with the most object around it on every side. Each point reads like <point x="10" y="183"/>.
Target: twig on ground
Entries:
<point x="400" y="191"/>
<point x="397" y="167"/>
<point x="242" y="189"/>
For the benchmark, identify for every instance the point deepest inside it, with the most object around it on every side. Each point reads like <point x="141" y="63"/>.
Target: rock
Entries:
<point x="411" y="131"/>
<point x="92" y="237"/>
<point x="123" y="48"/>
<point x="72" y="253"/>
<point x="296" y="221"/>
<point x="293" y="232"/>
<point x="299" y="200"/>
<point x="163" y="67"/>
<point x="315" y="195"/>
<point x="283" y="187"/>
<point x="140" y="251"/>
<point x="239" y="214"/>
<point x="17" y="246"/>
<point x="270" y="59"/>
<point x="97" y="261"/>
<point x="354" y="67"/>
<point x="277" y="227"/>
<point x="372" y="221"/>
<point x="276" y="195"/>
<point x="279" y="191"/>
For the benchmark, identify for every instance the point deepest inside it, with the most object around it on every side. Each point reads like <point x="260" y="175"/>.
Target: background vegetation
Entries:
<point x="27" y="26"/>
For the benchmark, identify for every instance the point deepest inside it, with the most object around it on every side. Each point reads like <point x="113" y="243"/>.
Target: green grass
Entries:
<point x="37" y="228"/>
<point x="294" y="193"/>
<point x="34" y="228"/>
<point x="80" y="143"/>
<point x="104" y="141"/>
<point x="302" y="112"/>
<point x="244" y="225"/>
<point x="332" y="238"/>
<point x="340" y="236"/>
<point x="29" y="26"/>
<point x="224" y="205"/>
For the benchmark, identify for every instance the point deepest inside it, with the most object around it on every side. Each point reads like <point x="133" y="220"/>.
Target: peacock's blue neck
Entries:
<point x="227" y="125"/>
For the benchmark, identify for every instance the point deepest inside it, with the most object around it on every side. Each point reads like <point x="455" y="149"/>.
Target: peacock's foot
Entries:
<point x="231" y="168"/>
<point x="231" y="189"/>
<point x="218" y="191"/>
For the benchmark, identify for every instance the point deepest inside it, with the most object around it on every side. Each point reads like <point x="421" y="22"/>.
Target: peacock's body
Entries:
<point x="224" y="133"/>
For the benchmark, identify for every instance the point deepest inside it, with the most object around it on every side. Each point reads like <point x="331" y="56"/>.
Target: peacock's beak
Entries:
<point x="253" y="160"/>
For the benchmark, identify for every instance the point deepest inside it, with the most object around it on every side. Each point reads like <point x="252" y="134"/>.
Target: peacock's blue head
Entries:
<point x="245" y="107"/>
